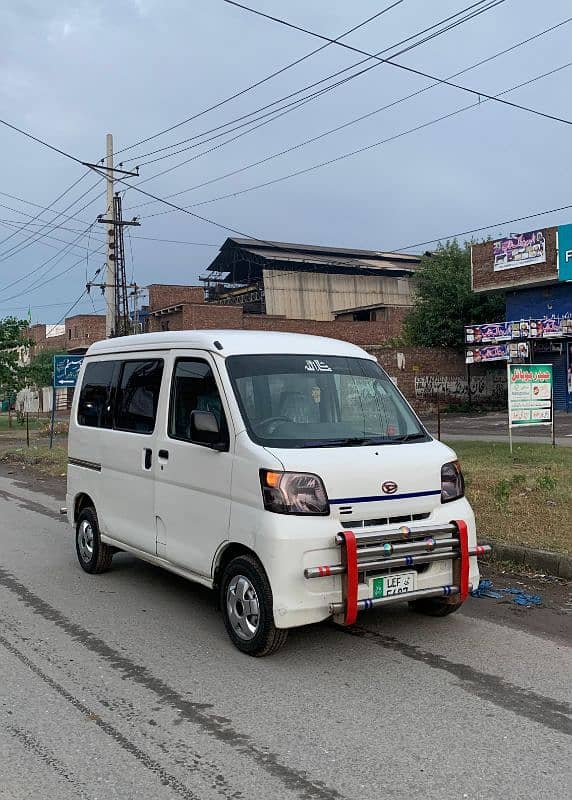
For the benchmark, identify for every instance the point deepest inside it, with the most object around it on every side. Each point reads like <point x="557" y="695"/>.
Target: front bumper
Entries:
<point x="366" y="554"/>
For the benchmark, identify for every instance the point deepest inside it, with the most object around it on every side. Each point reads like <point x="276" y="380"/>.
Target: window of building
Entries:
<point x="138" y="395"/>
<point x="69" y="333"/>
<point x="193" y="389"/>
<point x="96" y="397"/>
<point x="370" y="315"/>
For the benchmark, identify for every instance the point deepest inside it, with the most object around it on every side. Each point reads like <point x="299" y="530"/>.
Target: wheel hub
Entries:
<point x="243" y="607"/>
<point x="85" y="540"/>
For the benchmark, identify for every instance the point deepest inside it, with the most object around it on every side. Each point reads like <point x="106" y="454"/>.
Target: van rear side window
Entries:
<point x="138" y="395"/>
<point x="95" y="401"/>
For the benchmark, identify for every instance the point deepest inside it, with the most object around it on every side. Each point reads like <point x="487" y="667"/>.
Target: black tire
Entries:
<point x="434" y="607"/>
<point x="266" y="638"/>
<point x="94" y="556"/>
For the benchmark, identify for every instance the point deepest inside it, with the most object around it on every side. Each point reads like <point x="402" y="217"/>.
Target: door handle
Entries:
<point x="148" y="458"/>
<point x="164" y="454"/>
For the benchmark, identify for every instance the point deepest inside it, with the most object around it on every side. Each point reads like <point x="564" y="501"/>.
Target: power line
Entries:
<point x="32" y="219"/>
<point x="364" y="116"/>
<point x="301" y="101"/>
<point x="483" y="228"/>
<point x="59" y="197"/>
<point x="359" y="150"/>
<point x="7" y="224"/>
<point x="59" y="256"/>
<point x="257" y="83"/>
<point x="412" y="70"/>
<point x="15" y="250"/>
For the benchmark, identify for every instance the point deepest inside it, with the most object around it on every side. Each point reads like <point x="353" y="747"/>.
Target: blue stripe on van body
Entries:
<point x="351" y="500"/>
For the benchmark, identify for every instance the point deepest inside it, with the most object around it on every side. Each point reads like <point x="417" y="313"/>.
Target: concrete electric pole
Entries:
<point x="116" y="319"/>
<point x="110" y="311"/>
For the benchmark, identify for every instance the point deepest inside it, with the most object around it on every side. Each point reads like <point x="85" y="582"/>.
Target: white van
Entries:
<point x="285" y="471"/>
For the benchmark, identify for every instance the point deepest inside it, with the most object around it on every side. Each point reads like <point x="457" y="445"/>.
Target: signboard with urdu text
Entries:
<point x="521" y="250"/>
<point x="530" y="394"/>
<point x="497" y="352"/>
<point x="66" y="371"/>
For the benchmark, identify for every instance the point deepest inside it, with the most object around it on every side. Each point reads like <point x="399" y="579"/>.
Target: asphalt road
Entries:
<point x="125" y="686"/>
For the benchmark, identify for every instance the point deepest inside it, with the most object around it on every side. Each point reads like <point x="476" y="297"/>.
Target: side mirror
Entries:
<point x="205" y="429"/>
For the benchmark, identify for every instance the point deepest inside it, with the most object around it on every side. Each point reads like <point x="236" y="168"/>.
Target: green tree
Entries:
<point x="39" y="372"/>
<point x="12" y="340"/>
<point x="445" y="302"/>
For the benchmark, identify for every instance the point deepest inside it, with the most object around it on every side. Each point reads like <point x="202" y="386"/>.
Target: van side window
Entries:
<point x="193" y="389"/>
<point x="138" y="395"/>
<point x="96" y="397"/>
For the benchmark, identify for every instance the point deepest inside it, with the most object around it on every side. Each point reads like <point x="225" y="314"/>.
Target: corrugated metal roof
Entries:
<point x="255" y="244"/>
<point x="286" y="252"/>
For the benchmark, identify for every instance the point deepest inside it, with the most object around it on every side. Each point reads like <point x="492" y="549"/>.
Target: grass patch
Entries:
<point x="39" y="459"/>
<point x="524" y="498"/>
<point x="35" y="423"/>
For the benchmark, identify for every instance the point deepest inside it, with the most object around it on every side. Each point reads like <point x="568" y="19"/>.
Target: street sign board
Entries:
<point x="530" y="394"/>
<point x="66" y="371"/>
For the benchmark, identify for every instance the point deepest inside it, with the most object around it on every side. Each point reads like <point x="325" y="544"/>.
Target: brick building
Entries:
<point x="535" y="271"/>
<point x="75" y="336"/>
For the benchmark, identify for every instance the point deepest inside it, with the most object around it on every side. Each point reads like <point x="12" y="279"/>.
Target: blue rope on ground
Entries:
<point x="485" y="589"/>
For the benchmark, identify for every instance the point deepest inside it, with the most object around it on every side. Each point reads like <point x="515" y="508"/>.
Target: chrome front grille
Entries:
<point x="354" y="524"/>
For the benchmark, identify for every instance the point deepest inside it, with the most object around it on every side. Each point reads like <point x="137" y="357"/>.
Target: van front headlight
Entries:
<point x="293" y="493"/>
<point x="452" y="482"/>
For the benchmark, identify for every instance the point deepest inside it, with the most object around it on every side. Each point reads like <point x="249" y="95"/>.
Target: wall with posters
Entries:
<point x="523" y="260"/>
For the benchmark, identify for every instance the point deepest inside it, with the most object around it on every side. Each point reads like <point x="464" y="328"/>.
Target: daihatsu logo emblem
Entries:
<point x="389" y="487"/>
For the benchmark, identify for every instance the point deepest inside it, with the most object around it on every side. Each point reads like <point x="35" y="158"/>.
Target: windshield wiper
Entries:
<point x="409" y="437"/>
<point x="350" y="441"/>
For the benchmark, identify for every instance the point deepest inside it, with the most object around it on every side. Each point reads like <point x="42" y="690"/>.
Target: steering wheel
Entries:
<point x="267" y="425"/>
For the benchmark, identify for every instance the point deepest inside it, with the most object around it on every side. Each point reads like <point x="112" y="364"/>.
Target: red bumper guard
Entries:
<point x="375" y="552"/>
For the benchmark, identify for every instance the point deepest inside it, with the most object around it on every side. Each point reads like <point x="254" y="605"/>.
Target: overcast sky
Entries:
<point x="72" y="71"/>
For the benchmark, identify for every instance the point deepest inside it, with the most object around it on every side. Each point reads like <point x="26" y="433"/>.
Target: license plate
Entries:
<point x="392" y="585"/>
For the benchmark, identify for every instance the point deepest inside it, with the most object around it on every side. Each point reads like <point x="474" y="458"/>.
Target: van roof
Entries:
<point x="233" y="342"/>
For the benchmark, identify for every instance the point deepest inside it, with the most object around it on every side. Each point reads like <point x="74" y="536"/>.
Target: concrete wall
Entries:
<point x="317" y="296"/>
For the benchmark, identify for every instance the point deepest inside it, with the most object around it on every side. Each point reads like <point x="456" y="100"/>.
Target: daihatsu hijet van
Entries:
<point x="285" y="471"/>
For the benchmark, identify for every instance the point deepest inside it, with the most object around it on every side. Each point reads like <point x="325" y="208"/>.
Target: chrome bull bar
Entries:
<point x="395" y="548"/>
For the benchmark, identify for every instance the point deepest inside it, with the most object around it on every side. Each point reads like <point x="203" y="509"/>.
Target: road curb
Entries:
<point x="545" y="561"/>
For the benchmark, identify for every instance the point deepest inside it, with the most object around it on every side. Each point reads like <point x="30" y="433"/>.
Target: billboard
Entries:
<point x="530" y="394"/>
<point x="546" y="328"/>
<point x="521" y="250"/>
<point x="497" y="352"/>
<point x="564" y="252"/>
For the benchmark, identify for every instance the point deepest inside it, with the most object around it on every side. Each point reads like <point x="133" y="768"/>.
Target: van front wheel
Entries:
<point x="93" y="555"/>
<point x="246" y="603"/>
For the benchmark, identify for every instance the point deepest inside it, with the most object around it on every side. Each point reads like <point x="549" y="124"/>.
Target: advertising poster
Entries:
<point x="493" y="352"/>
<point x="530" y="394"/>
<point x="552" y="327"/>
<point x="521" y="250"/>
<point x="490" y="332"/>
<point x="497" y="352"/>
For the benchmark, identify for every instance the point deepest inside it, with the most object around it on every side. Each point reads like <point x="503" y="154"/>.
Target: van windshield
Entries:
<point x="320" y="401"/>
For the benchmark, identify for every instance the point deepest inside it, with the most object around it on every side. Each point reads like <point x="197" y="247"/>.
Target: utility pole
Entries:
<point x="110" y="308"/>
<point x="110" y="286"/>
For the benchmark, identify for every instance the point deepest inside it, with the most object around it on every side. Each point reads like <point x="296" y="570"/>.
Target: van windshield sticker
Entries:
<point x="315" y="365"/>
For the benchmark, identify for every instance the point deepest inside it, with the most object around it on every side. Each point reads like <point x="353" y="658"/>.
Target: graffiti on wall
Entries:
<point x="491" y="386"/>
